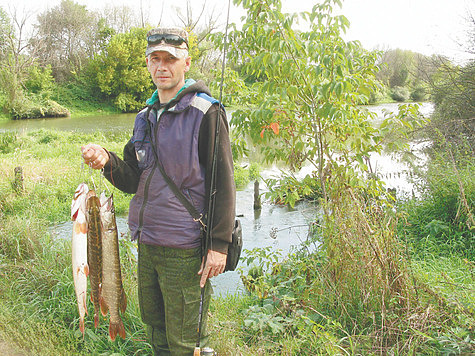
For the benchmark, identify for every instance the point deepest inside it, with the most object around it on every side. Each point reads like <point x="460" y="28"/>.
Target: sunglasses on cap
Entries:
<point x="170" y="39"/>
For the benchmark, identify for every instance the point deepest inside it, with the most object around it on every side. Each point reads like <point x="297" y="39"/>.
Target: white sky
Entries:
<point x="424" y="26"/>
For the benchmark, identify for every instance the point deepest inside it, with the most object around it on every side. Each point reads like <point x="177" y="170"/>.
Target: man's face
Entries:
<point x="167" y="71"/>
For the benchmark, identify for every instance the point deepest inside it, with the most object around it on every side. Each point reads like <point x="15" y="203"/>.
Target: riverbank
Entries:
<point x="287" y="313"/>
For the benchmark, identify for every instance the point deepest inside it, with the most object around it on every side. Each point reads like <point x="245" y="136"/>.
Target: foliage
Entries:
<point x="40" y="81"/>
<point x="34" y="106"/>
<point x="243" y="175"/>
<point x="437" y="221"/>
<point x="287" y="189"/>
<point x="121" y="72"/>
<point x="66" y="38"/>
<point x="313" y="117"/>
<point x="400" y="94"/>
<point x="454" y="99"/>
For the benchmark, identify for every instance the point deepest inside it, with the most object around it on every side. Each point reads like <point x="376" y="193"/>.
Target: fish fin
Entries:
<point x="96" y="320"/>
<point x="116" y="328"/>
<point x="84" y="301"/>
<point x="86" y="270"/>
<point x="104" y="307"/>
<point x="81" y="325"/>
<point x="123" y="302"/>
<point x="121" y="329"/>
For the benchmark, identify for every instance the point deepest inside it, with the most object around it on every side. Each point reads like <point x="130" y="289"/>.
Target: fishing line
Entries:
<point x="196" y="351"/>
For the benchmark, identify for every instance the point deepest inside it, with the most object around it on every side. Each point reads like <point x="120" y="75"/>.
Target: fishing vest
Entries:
<point x="156" y="216"/>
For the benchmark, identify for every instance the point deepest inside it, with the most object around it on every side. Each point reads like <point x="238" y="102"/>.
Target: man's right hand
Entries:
<point x="94" y="156"/>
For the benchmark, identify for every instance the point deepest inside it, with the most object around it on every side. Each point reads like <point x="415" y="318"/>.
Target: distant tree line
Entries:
<point x="76" y="59"/>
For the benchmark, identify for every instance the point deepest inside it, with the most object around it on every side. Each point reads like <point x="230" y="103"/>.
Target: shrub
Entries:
<point x="400" y="94"/>
<point x="241" y="176"/>
<point x="7" y="142"/>
<point x="418" y="94"/>
<point x="34" y="107"/>
<point x="438" y="221"/>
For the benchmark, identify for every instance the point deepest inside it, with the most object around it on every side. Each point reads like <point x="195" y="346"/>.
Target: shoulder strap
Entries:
<point x="180" y="196"/>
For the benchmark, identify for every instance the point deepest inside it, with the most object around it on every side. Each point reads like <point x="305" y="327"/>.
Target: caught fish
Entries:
<point x="94" y="249"/>
<point x="112" y="292"/>
<point x="79" y="250"/>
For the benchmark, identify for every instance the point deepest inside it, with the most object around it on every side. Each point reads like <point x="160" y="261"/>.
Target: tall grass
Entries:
<point x="37" y="300"/>
<point x="359" y="294"/>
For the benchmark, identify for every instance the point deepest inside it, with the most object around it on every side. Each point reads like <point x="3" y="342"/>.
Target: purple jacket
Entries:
<point x="183" y="136"/>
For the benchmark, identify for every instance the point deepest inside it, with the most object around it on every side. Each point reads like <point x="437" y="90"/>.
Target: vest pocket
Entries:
<point x="143" y="148"/>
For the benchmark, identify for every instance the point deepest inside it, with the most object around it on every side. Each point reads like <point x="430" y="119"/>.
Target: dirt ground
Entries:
<point x="9" y="350"/>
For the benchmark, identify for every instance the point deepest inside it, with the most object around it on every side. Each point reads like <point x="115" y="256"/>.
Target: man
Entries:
<point x="178" y="127"/>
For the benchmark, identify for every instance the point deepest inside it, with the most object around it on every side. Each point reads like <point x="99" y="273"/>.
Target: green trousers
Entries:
<point x="169" y="297"/>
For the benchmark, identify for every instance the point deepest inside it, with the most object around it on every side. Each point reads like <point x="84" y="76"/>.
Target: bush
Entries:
<point x="400" y="94"/>
<point x="35" y="107"/>
<point x="418" y="94"/>
<point x="437" y="221"/>
<point x="241" y="176"/>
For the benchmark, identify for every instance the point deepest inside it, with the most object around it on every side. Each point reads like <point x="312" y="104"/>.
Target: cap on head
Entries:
<point x="173" y="40"/>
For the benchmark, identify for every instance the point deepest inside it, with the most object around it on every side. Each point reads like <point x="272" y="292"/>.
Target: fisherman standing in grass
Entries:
<point x="178" y="128"/>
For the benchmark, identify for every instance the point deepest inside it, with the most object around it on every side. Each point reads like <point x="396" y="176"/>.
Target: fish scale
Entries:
<point x="112" y="297"/>
<point x="79" y="250"/>
<point x="94" y="249"/>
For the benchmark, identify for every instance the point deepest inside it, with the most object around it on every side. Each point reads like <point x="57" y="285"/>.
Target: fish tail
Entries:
<point x="104" y="307"/>
<point x="81" y="325"/>
<point x="116" y="329"/>
<point x="84" y="302"/>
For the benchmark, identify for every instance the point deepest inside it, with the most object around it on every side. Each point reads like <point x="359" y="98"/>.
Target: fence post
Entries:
<point x="257" y="197"/>
<point x="18" y="181"/>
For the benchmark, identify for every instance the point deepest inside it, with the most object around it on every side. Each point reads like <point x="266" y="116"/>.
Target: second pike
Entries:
<point x="112" y="293"/>
<point x="94" y="249"/>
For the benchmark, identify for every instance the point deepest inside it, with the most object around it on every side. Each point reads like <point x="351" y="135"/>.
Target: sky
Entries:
<point x="424" y="26"/>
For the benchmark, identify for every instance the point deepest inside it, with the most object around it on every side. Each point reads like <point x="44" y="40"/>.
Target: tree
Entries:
<point x="69" y="32"/>
<point x="121" y="72"/>
<point x="120" y="18"/>
<point x="306" y="110"/>
<point x="17" y="56"/>
<point x="5" y="29"/>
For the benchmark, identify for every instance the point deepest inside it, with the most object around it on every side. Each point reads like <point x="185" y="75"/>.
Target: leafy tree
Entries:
<point x="305" y="110"/>
<point x="119" y="18"/>
<point x="69" y="33"/>
<point x="17" y="57"/>
<point x="121" y="72"/>
<point x="5" y="29"/>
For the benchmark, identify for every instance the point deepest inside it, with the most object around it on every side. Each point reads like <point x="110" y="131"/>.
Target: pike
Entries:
<point x="79" y="250"/>
<point x="94" y="249"/>
<point x="112" y="292"/>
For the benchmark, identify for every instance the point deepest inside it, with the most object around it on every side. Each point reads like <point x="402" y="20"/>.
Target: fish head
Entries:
<point x="92" y="201"/>
<point x="107" y="203"/>
<point x="79" y="200"/>
<point x="107" y="211"/>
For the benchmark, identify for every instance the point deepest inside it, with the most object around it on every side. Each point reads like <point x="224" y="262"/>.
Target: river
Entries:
<point x="291" y="224"/>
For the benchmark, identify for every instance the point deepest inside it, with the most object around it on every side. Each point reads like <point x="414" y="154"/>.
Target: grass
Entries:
<point x="301" y="306"/>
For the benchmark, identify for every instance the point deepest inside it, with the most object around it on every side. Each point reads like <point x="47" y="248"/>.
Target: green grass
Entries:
<point x="294" y="307"/>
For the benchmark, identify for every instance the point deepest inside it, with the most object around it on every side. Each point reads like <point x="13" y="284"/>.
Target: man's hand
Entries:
<point x="94" y="156"/>
<point x="215" y="264"/>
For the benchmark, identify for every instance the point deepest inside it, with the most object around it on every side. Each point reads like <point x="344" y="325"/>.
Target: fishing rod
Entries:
<point x="197" y="352"/>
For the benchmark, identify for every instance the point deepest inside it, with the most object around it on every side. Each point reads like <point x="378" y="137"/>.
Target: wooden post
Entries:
<point x="18" y="182"/>
<point x="257" y="197"/>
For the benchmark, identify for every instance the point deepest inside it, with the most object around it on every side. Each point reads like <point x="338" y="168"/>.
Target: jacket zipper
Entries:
<point x="147" y="182"/>
<point x="145" y="200"/>
<point x="147" y="186"/>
